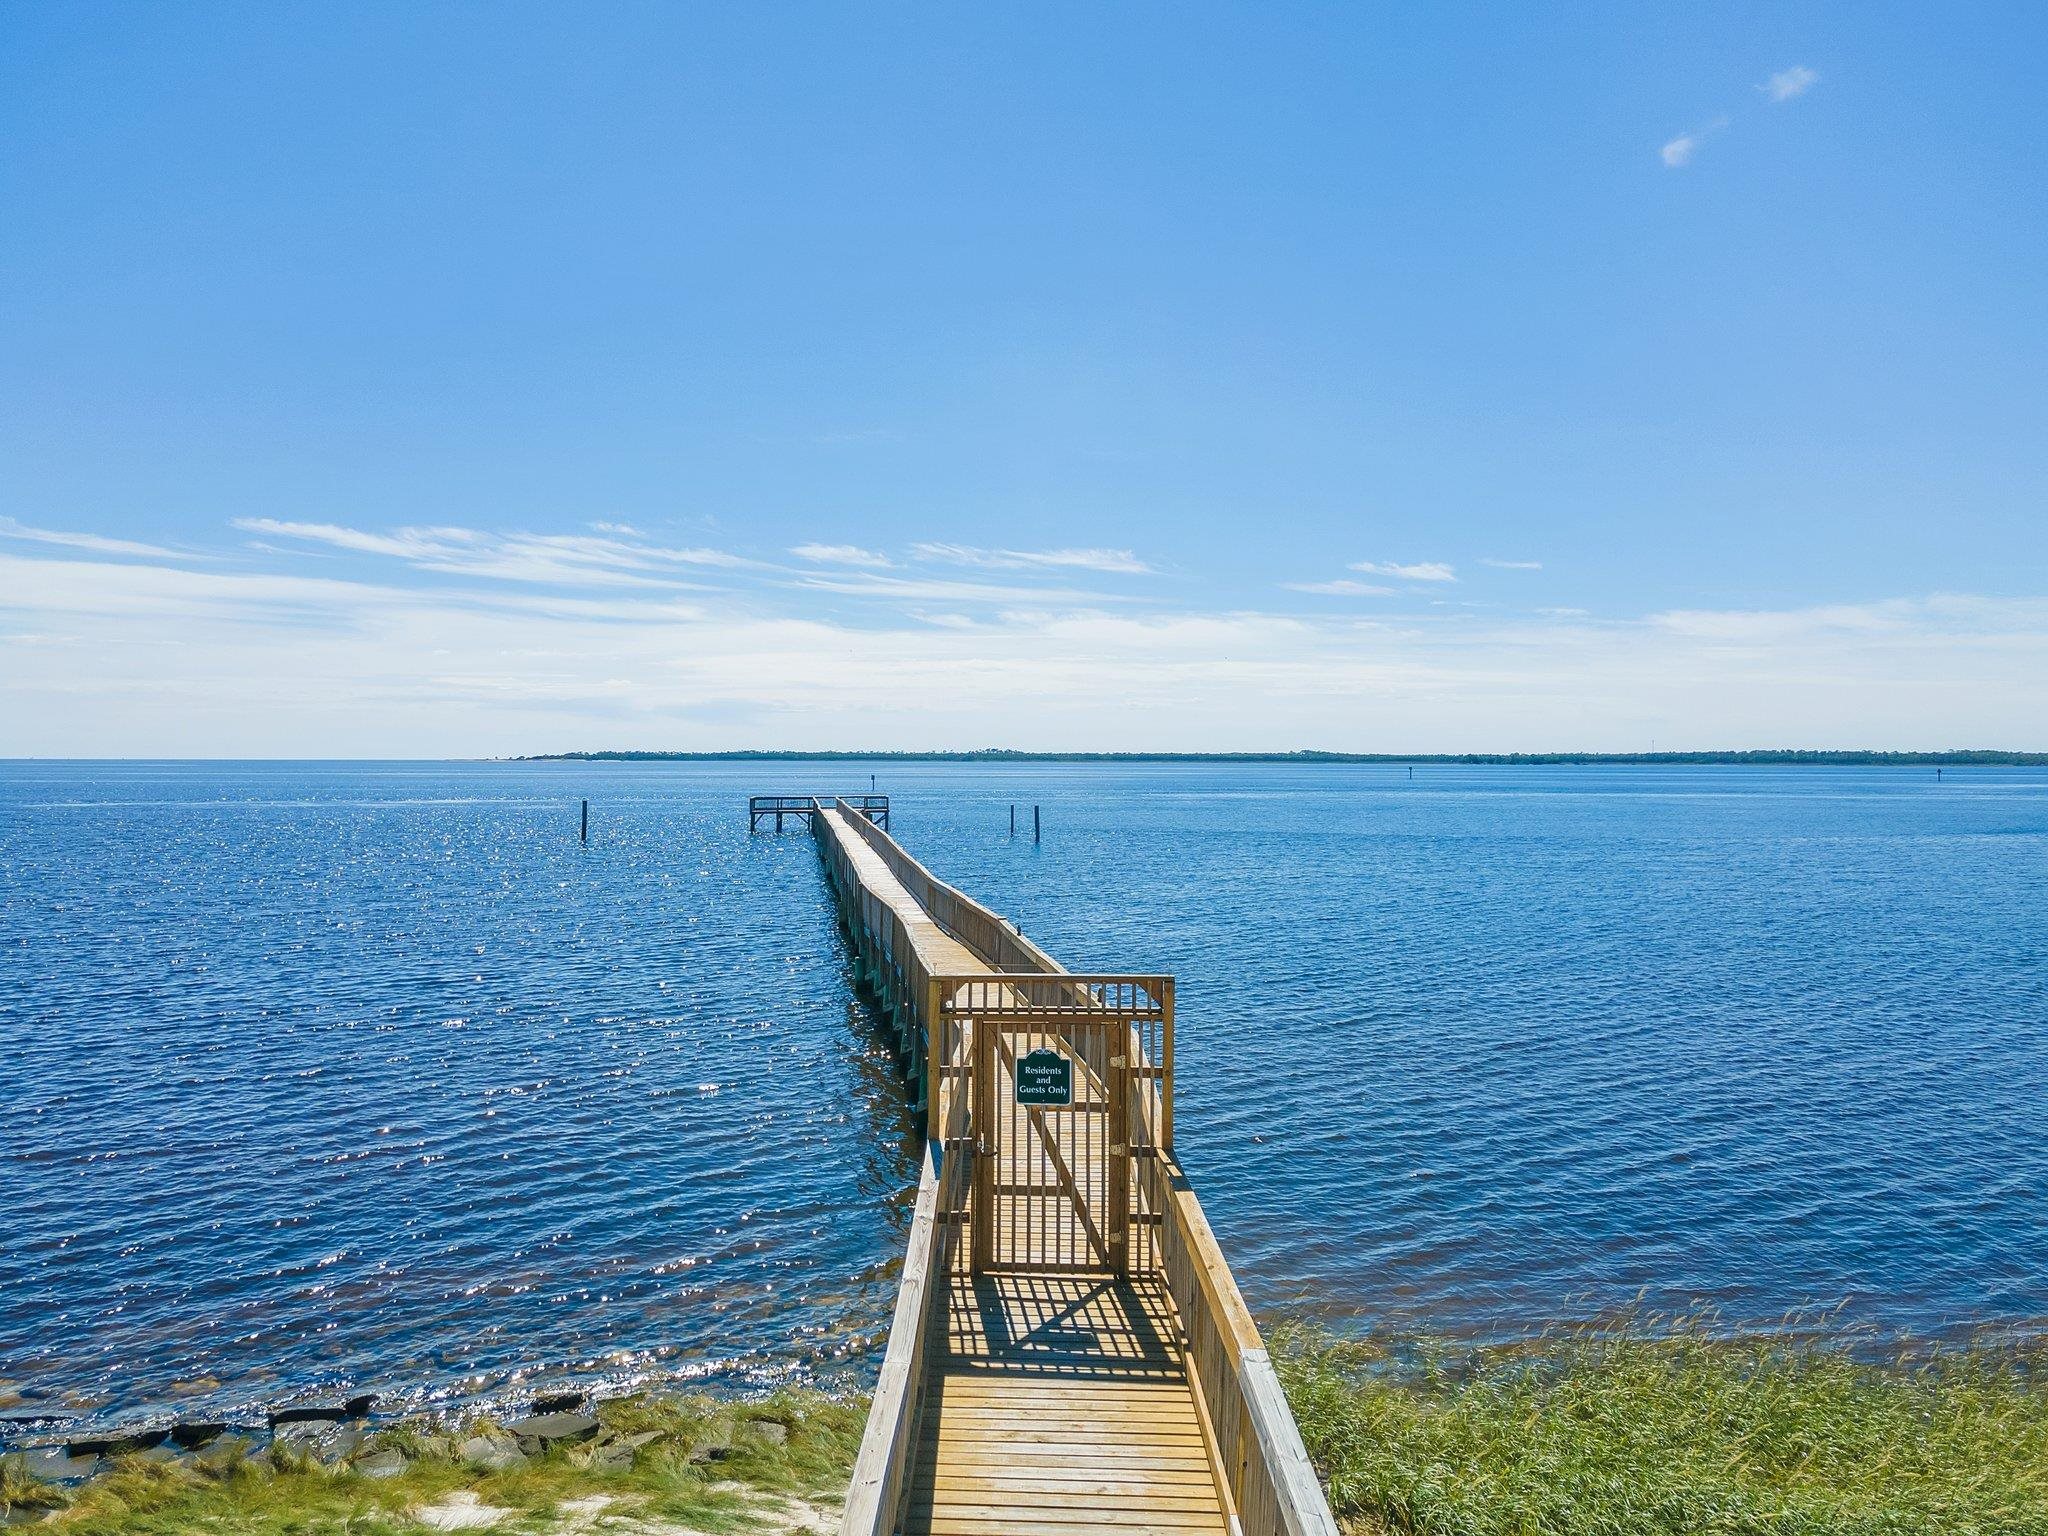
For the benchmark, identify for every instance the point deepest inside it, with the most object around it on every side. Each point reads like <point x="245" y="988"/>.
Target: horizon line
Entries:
<point x="1850" y="756"/>
<point x="1756" y="756"/>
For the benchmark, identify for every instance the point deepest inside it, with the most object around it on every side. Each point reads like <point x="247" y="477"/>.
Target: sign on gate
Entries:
<point x="1044" y="1077"/>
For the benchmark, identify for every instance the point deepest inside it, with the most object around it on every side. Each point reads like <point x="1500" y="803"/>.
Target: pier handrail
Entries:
<point x="895" y="1417"/>
<point x="908" y="988"/>
<point x="1272" y="1482"/>
<point x="902" y="979"/>
<point x="992" y="937"/>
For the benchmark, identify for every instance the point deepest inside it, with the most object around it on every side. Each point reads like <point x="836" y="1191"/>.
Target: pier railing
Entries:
<point x="904" y="983"/>
<point x="993" y="937"/>
<point x="895" y="968"/>
<point x="1251" y="1431"/>
<point x="895" y="1419"/>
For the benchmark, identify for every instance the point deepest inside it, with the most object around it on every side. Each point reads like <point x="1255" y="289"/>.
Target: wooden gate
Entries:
<point x="1069" y="1082"/>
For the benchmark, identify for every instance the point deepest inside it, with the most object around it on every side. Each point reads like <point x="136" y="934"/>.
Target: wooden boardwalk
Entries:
<point x="1057" y="1393"/>
<point x="1068" y="1350"/>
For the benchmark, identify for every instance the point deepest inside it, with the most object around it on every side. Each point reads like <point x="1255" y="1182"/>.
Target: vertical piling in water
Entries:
<point x="1013" y="821"/>
<point x="1034" y="823"/>
<point x="586" y="821"/>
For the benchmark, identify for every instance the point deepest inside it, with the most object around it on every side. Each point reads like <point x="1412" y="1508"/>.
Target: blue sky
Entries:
<point x="476" y="379"/>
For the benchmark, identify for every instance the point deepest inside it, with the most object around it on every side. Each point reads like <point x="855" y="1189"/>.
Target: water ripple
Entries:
<point x="371" y="1075"/>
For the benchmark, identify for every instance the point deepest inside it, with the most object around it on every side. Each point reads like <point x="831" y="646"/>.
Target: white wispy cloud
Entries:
<point x="1789" y="84"/>
<point x="1678" y="153"/>
<point x="406" y="544"/>
<point x="1341" y="587"/>
<point x="547" y="559"/>
<point x="928" y="589"/>
<point x="1513" y="565"/>
<point x="841" y="554"/>
<point x="1786" y="85"/>
<point x="287" y="600"/>
<point x="269" y="663"/>
<point x="1749" y="627"/>
<point x="1426" y="570"/>
<point x="97" y="543"/>
<point x="1119" y="562"/>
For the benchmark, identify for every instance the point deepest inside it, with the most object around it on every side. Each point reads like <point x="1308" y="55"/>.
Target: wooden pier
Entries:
<point x="1069" y="1351"/>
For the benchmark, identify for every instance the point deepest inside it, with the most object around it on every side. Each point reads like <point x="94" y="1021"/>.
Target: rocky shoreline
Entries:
<point x="327" y="1435"/>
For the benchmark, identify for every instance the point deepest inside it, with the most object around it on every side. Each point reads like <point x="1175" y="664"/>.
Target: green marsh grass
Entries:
<point x="1643" y="1428"/>
<point x="1646" y="1427"/>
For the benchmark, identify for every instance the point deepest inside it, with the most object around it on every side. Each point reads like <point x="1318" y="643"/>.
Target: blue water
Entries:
<point x="355" y="1074"/>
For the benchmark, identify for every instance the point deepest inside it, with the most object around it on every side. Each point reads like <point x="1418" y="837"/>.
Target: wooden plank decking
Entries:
<point x="1069" y="1352"/>
<point x="1060" y="1404"/>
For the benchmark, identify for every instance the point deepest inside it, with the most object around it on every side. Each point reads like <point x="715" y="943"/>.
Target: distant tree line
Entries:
<point x="1975" y="757"/>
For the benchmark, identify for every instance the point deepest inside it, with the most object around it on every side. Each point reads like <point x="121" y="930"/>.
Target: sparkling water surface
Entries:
<point x="371" y="1075"/>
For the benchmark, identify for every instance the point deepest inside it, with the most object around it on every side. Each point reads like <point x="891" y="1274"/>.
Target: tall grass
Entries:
<point x="1645" y="1428"/>
<point x="1641" y="1429"/>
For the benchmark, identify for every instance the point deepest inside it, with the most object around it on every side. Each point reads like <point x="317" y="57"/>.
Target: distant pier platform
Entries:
<point x="761" y="808"/>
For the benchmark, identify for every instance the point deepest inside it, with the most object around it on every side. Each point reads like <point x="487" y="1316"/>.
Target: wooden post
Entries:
<point x="982" y="1082"/>
<point x="1166" y="1064"/>
<point x="937" y="1052"/>
<point x="1013" y="821"/>
<point x="1034" y="824"/>
<point x="586" y="821"/>
<point x="1118" y="1179"/>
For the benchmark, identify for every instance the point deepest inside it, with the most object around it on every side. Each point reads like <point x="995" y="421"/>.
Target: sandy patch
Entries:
<point x="602" y="1514"/>
<point x="462" y="1511"/>
<point x="581" y="1514"/>
<point x="783" y="1517"/>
